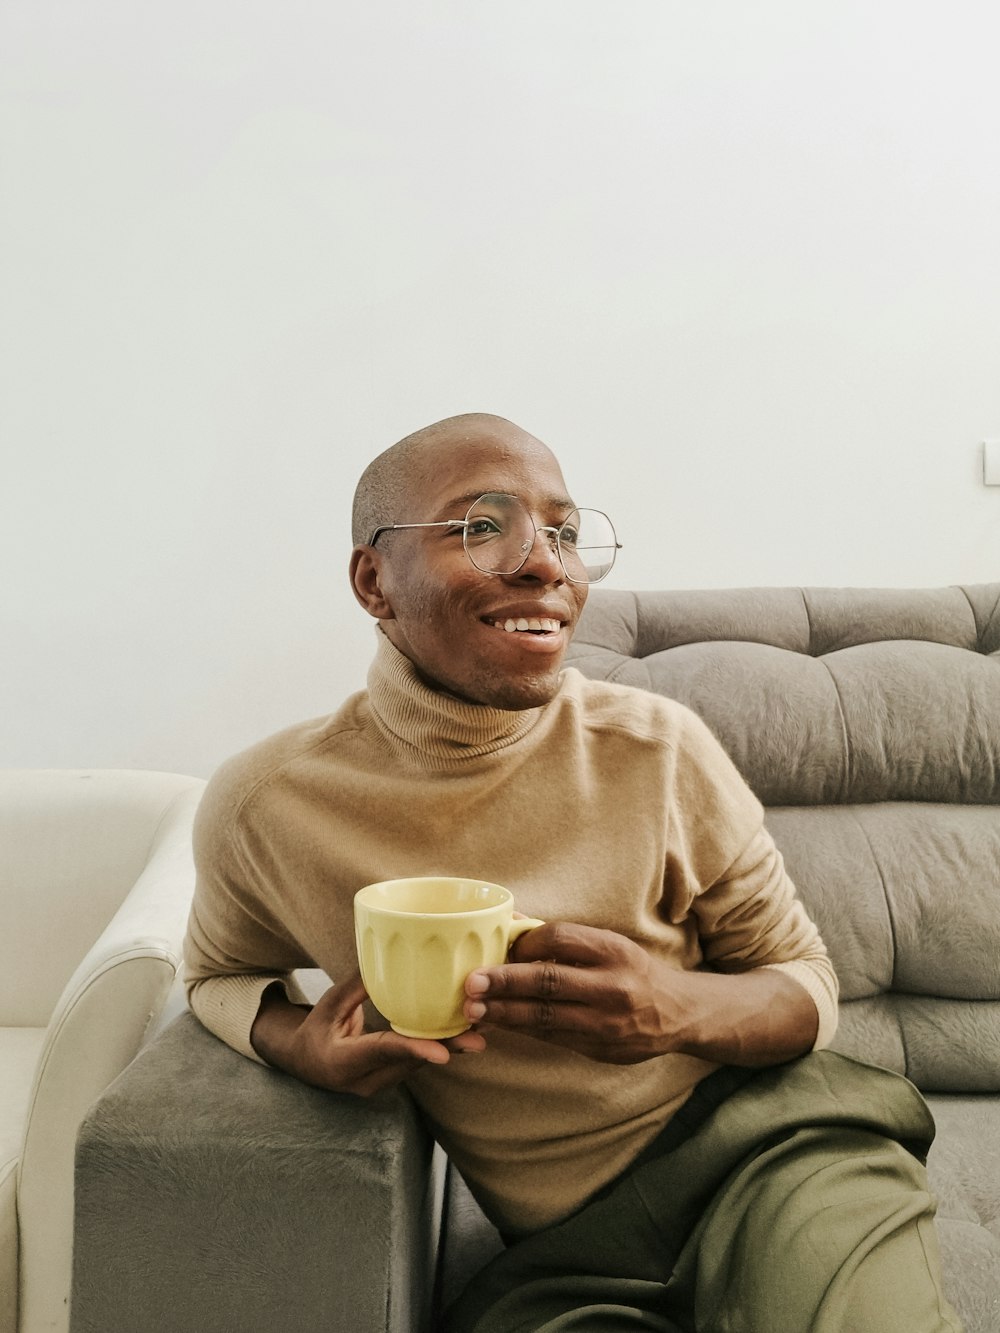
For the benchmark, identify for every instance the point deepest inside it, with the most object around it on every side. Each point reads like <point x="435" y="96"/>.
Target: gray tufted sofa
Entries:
<point x="215" y="1194"/>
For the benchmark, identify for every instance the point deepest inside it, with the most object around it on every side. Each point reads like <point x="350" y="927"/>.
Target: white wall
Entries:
<point x="737" y="263"/>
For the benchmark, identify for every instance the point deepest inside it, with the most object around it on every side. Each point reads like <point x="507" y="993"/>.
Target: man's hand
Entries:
<point x="602" y="995"/>
<point x="328" y="1046"/>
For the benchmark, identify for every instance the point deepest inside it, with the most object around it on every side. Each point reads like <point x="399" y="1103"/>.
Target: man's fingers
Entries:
<point x="541" y="1017"/>
<point x="391" y="1047"/>
<point x="560" y="961"/>
<point x="545" y="980"/>
<point x="398" y="1067"/>
<point x="466" y="1043"/>
<point x="566" y="942"/>
<point x="376" y="1060"/>
<point x="566" y="979"/>
<point x="345" y="1058"/>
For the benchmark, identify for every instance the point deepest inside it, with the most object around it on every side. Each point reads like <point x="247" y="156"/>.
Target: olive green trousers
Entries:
<point x="796" y="1203"/>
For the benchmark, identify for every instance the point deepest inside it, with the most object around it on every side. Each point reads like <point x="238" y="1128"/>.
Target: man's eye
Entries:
<point x="568" y="535"/>
<point x="483" y="527"/>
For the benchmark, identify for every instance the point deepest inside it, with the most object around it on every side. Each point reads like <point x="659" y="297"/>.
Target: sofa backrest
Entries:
<point x="868" y="723"/>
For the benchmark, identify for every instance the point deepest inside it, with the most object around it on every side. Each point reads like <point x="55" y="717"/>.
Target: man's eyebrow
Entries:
<point x="459" y="505"/>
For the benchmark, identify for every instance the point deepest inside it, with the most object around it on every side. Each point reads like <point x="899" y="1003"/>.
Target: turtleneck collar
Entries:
<point x="438" y="725"/>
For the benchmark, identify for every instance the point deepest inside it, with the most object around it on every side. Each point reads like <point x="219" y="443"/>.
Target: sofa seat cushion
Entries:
<point x="20" y="1049"/>
<point x="8" y="1245"/>
<point x="964" y="1172"/>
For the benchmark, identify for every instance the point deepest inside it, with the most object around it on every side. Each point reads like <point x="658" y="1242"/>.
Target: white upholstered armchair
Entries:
<point x="96" y="879"/>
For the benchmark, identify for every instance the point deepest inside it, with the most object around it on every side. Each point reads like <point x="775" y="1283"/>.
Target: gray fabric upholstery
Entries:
<point x="868" y="722"/>
<point x="211" y="1192"/>
<point x="215" y="1195"/>
<point x="821" y="695"/>
<point x="964" y="1171"/>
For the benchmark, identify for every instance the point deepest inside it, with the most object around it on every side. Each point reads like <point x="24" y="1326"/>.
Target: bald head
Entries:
<point x="385" y="492"/>
<point x="434" y="604"/>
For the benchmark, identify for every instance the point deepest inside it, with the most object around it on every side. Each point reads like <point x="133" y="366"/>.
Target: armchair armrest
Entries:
<point x="98" y="1024"/>
<point x="213" y="1193"/>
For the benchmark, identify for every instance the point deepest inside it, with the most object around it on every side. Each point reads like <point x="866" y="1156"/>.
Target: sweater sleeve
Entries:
<point x="752" y="917"/>
<point x="236" y="946"/>
<point x="746" y="907"/>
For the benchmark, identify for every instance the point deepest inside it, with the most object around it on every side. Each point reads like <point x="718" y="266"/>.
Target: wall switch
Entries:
<point x="991" y="462"/>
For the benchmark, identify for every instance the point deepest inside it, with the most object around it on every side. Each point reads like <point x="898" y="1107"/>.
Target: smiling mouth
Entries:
<point x="526" y="625"/>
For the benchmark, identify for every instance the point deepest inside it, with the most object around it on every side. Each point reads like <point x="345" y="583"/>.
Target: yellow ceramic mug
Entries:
<point x="418" y="939"/>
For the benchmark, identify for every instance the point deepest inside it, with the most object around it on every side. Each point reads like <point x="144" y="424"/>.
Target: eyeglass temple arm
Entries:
<point x="394" y="527"/>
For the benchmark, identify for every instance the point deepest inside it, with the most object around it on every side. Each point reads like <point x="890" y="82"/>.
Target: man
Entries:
<point x="634" y="1103"/>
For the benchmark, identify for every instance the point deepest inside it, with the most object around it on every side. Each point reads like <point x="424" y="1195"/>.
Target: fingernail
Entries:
<point x="477" y="983"/>
<point x="475" y="1011"/>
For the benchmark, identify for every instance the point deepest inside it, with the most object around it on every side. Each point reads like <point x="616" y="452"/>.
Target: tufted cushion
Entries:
<point x="821" y="695"/>
<point x="868" y="721"/>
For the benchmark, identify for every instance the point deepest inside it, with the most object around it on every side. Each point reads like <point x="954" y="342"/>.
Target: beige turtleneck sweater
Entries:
<point x="609" y="806"/>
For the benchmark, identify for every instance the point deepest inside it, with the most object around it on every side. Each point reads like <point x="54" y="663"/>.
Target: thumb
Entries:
<point x="339" y="1004"/>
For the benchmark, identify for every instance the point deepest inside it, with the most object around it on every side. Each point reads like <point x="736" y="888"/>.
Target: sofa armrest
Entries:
<point x="96" y="1028"/>
<point x="213" y="1193"/>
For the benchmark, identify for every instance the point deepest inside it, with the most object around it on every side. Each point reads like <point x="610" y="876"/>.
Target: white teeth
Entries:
<point x="511" y="626"/>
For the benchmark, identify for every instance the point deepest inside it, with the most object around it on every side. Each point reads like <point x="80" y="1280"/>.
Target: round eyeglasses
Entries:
<point x="498" y="534"/>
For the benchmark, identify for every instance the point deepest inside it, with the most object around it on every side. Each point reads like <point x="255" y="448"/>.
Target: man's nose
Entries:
<point x="542" y="561"/>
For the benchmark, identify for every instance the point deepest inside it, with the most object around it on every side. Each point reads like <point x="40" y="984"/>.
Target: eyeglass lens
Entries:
<point x="500" y="532"/>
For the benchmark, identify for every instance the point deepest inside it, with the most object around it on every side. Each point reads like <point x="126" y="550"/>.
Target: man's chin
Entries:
<point x="511" y="694"/>
<point x="517" y="694"/>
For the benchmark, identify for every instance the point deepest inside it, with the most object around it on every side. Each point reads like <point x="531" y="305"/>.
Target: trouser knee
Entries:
<point x="830" y="1229"/>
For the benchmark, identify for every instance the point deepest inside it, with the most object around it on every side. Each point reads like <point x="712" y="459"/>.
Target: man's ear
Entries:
<point x="366" y="582"/>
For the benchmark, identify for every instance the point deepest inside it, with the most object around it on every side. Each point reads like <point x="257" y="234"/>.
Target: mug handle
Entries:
<point x="520" y="926"/>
